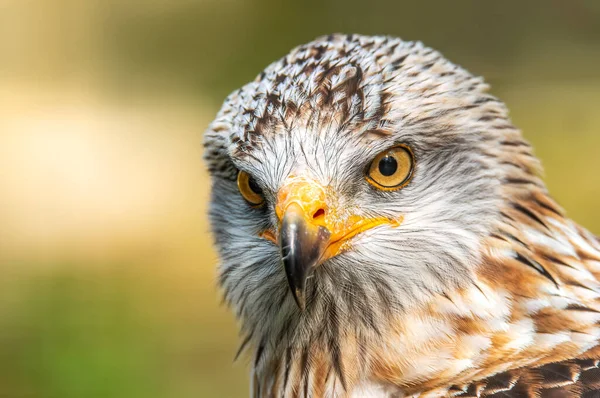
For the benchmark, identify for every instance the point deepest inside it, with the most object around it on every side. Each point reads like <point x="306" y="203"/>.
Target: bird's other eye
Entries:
<point x="249" y="189"/>
<point x="391" y="169"/>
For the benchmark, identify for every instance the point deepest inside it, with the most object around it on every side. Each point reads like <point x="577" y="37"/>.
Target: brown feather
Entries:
<point x="571" y="378"/>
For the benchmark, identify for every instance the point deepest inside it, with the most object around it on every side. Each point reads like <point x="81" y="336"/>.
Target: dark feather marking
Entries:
<point x="259" y="353"/>
<point x="591" y="380"/>
<point x="488" y="118"/>
<point x="501" y="382"/>
<point x="483" y="100"/>
<point x="587" y="364"/>
<point x="480" y="290"/>
<point x="520" y="181"/>
<point x="537" y="266"/>
<point x="507" y="216"/>
<point x="494" y="235"/>
<point x="427" y="66"/>
<point x="591" y="394"/>
<point x="567" y="379"/>
<point x="580" y="285"/>
<point x="578" y="307"/>
<point x="557" y="261"/>
<point x="453" y="390"/>
<point x="304" y="370"/>
<point x="547" y="207"/>
<point x="242" y="346"/>
<point x="505" y="127"/>
<point x="225" y="299"/>
<point x="227" y="272"/>
<point x="398" y="62"/>
<point x="515" y="143"/>
<point x="529" y="213"/>
<point x="526" y="154"/>
<point x="519" y="390"/>
<point x="445" y="294"/>
<point x="558" y="374"/>
<point x="513" y="238"/>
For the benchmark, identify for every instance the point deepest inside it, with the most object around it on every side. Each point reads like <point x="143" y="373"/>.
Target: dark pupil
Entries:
<point x="253" y="185"/>
<point x="388" y="166"/>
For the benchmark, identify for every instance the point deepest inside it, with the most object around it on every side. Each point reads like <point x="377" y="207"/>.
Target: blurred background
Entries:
<point x="107" y="275"/>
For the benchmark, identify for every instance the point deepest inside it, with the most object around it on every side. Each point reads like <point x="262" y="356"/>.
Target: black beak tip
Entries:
<point x="299" y="298"/>
<point x="296" y="276"/>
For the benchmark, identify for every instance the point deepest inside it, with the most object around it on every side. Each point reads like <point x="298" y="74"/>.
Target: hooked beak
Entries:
<point x="302" y="247"/>
<point x="310" y="232"/>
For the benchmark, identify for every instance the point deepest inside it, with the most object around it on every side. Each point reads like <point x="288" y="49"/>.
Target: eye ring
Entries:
<point x="249" y="189"/>
<point x="392" y="169"/>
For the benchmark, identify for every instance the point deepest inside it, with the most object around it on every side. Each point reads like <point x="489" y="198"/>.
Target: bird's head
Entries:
<point x="353" y="179"/>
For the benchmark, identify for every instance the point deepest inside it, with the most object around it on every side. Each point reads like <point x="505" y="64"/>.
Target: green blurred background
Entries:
<point x="107" y="284"/>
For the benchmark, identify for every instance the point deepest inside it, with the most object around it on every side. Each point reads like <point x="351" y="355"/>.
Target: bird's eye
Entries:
<point x="250" y="189"/>
<point x="391" y="169"/>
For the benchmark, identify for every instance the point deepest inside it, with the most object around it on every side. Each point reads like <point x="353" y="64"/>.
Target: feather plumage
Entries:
<point x="485" y="289"/>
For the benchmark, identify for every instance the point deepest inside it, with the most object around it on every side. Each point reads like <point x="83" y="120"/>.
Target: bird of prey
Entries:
<point x="384" y="231"/>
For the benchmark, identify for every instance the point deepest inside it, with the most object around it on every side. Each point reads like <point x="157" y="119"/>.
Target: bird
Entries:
<point x="384" y="230"/>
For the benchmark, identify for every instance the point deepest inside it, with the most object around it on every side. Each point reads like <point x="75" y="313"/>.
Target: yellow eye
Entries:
<point x="250" y="189"/>
<point x="391" y="169"/>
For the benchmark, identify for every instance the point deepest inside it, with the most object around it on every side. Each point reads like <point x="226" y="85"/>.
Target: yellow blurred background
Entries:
<point x="107" y="284"/>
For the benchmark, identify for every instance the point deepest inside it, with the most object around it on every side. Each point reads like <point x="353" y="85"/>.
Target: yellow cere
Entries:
<point x="312" y="198"/>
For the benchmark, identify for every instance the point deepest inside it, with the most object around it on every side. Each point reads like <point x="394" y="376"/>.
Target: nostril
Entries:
<point x="319" y="214"/>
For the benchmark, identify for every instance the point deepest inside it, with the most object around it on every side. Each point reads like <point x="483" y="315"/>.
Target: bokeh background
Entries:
<point x="107" y="276"/>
